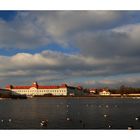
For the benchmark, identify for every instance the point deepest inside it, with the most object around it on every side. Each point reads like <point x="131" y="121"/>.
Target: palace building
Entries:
<point x="36" y="89"/>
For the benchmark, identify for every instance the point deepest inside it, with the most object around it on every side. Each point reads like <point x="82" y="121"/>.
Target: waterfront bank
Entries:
<point x="72" y="97"/>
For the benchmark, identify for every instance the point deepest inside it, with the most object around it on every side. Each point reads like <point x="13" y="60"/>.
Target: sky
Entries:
<point x="87" y="48"/>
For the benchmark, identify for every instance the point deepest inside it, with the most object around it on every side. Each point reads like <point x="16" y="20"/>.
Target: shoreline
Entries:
<point x="88" y="97"/>
<point x="77" y="97"/>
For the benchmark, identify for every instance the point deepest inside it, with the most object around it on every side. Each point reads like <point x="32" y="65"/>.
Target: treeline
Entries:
<point x="7" y="95"/>
<point x="10" y="95"/>
<point x="125" y="90"/>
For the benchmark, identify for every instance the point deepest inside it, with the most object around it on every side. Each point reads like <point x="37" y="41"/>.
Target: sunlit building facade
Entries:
<point x="104" y="92"/>
<point x="36" y="89"/>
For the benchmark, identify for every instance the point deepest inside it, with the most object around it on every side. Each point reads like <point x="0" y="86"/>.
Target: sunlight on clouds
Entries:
<point x="107" y="42"/>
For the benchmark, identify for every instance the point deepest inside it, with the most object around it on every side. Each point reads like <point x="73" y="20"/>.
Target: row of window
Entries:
<point x="39" y="90"/>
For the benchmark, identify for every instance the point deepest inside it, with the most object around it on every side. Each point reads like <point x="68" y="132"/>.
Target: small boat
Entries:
<point x="29" y="96"/>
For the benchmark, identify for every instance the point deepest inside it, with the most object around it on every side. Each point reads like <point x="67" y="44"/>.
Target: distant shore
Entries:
<point x="76" y="97"/>
<point x="88" y="97"/>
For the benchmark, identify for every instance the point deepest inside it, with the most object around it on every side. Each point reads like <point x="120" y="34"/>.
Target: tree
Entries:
<point x="122" y="90"/>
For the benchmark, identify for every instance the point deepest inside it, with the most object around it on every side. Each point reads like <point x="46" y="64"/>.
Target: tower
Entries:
<point x="35" y="84"/>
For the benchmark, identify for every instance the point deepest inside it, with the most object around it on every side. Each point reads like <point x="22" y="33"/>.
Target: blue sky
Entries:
<point x="8" y="15"/>
<point x="90" y="48"/>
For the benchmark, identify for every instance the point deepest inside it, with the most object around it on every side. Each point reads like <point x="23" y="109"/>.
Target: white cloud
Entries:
<point x="53" y="66"/>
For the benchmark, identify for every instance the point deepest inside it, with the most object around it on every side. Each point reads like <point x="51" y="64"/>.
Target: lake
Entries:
<point x="70" y="113"/>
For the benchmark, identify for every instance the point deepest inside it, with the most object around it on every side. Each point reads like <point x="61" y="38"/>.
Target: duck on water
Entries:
<point x="44" y="123"/>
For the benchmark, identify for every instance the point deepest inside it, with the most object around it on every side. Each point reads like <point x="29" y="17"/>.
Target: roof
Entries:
<point x="101" y="90"/>
<point x="92" y="89"/>
<point x="21" y="87"/>
<point x="35" y="85"/>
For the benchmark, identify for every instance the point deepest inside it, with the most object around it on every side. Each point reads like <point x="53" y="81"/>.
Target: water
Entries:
<point x="70" y="113"/>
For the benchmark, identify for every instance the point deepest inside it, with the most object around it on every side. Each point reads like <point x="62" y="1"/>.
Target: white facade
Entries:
<point x="104" y="93"/>
<point x="92" y="91"/>
<point x="35" y="89"/>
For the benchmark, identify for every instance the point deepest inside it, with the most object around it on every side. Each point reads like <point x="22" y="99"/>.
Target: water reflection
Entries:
<point x="72" y="113"/>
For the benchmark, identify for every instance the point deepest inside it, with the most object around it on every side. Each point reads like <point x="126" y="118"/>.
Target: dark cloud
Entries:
<point x="108" y="46"/>
<point x="33" y="29"/>
<point x="110" y="43"/>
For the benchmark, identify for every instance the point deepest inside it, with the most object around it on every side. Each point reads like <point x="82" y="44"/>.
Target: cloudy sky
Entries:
<point x="89" y="48"/>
